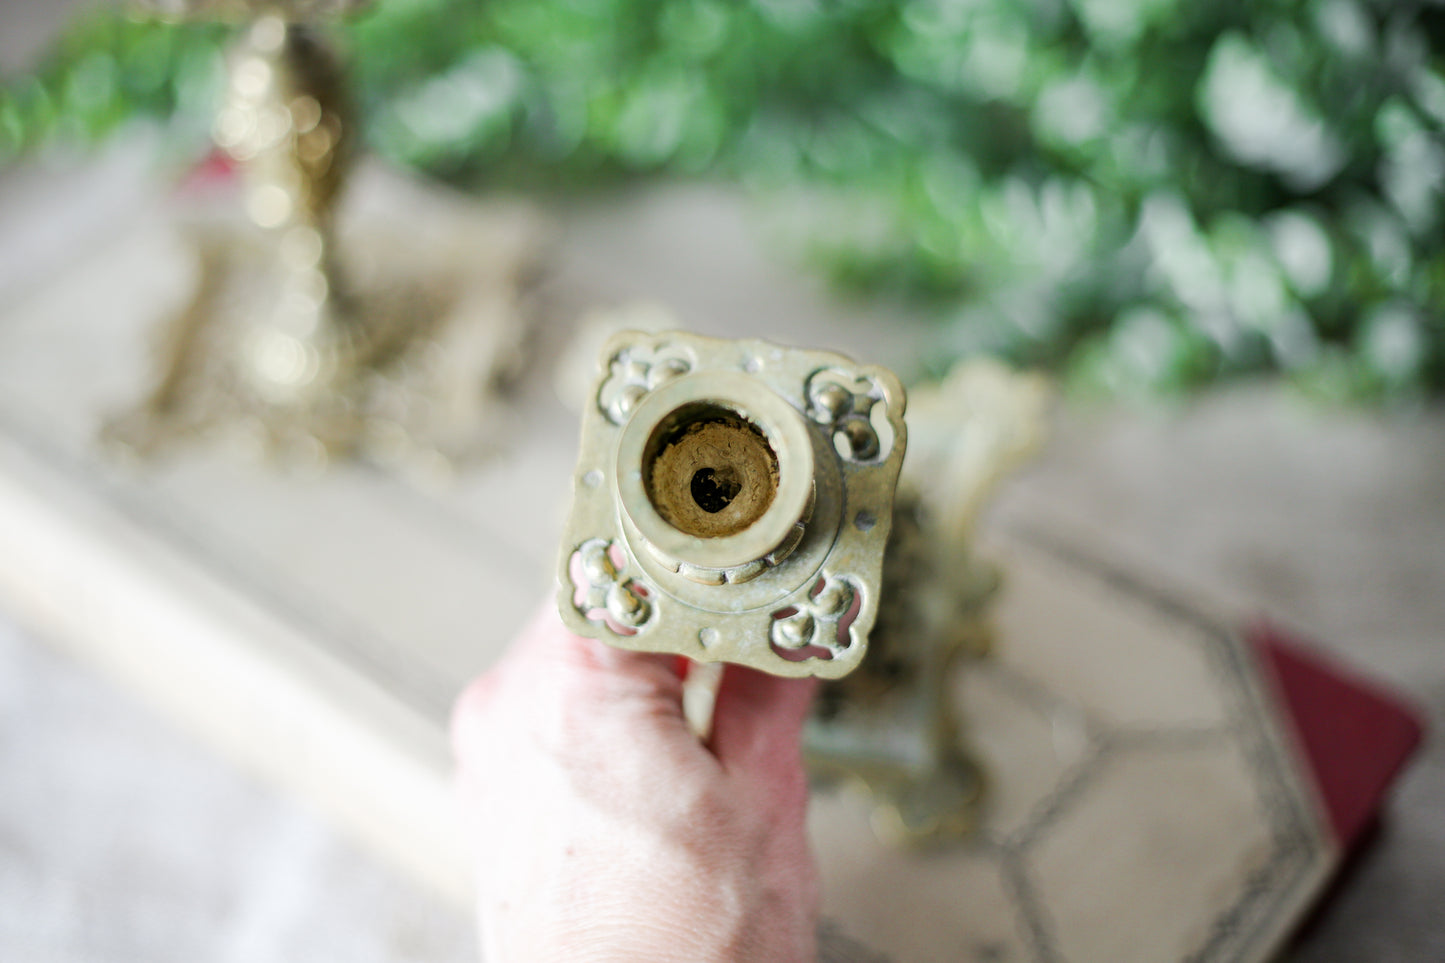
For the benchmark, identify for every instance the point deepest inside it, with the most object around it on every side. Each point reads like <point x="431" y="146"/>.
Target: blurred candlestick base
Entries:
<point x="315" y="345"/>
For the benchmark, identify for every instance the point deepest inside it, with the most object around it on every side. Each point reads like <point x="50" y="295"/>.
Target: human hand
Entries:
<point x="603" y="829"/>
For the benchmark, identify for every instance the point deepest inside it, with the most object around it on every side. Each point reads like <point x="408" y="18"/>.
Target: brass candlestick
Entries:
<point x="894" y="725"/>
<point x="734" y="501"/>
<point x="285" y="124"/>
<point x="318" y="344"/>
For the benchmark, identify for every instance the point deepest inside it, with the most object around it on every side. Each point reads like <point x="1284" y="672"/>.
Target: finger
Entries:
<point x="758" y="720"/>
<point x="559" y="666"/>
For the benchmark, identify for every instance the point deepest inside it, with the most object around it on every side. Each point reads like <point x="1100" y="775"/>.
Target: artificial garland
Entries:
<point x="1143" y="194"/>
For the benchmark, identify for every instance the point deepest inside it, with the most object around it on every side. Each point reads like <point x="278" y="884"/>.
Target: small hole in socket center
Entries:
<point x="714" y="489"/>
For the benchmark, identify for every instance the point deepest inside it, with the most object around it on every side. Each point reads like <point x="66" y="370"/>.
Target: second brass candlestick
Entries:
<point x="386" y="341"/>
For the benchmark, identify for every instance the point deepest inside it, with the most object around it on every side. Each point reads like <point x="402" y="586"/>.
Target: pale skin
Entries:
<point x="602" y="827"/>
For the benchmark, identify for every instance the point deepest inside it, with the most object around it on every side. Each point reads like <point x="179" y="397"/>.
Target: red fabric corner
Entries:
<point x="1356" y="736"/>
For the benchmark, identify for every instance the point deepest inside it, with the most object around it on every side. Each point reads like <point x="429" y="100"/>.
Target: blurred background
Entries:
<point x="1143" y="195"/>
<point x="1218" y="225"/>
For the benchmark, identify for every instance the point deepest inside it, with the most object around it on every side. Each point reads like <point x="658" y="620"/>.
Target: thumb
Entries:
<point x="758" y="720"/>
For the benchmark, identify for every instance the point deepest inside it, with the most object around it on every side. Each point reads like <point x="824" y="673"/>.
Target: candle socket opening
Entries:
<point x="709" y="471"/>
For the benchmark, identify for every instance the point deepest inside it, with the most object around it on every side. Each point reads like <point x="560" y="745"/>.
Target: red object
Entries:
<point x="1356" y="736"/>
<point x="215" y="169"/>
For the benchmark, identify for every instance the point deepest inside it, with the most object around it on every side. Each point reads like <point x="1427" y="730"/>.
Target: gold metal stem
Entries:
<point x="285" y="124"/>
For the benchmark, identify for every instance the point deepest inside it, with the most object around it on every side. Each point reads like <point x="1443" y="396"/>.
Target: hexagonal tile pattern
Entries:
<point x="945" y="906"/>
<point x="1172" y="828"/>
<point x="1026" y="743"/>
<point x="1127" y="664"/>
<point x="1143" y="801"/>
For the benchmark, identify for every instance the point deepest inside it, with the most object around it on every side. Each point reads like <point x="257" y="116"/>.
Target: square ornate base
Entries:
<point x="731" y="502"/>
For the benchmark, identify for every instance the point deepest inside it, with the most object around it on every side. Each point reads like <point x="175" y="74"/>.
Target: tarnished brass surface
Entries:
<point x="285" y="124"/>
<point x="288" y="335"/>
<point x="895" y="724"/>
<point x="731" y="502"/>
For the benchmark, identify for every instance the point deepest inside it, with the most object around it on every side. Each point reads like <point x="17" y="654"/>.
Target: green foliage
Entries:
<point x="1146" y="194"/>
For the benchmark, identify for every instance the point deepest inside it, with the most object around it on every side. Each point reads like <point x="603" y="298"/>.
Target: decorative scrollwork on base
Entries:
<point x="633" y="372"/>
<point x="819" y="626"/>
<point x="844" y="402"/>
<point x="708" y="473"/>
<point x="600" y="592"/>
